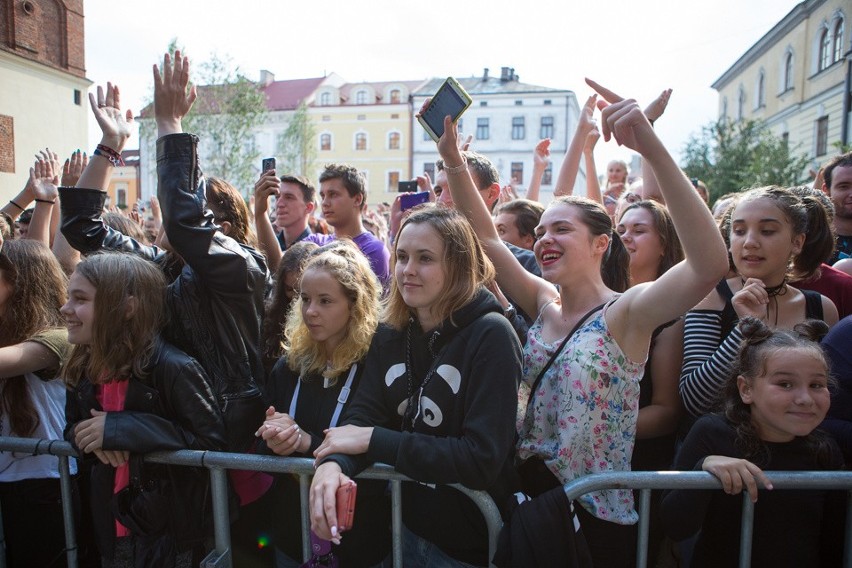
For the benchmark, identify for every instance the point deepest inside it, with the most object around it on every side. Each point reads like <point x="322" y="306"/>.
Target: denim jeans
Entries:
<point x="420" y="553"/>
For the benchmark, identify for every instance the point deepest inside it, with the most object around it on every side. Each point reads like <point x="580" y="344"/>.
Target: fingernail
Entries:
<point x="334" y="531"/>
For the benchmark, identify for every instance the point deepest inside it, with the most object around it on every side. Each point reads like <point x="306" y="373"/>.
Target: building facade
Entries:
<point x="796" y="78"/>
<point x="507" y="119"/>
<point x="43" y="100"/>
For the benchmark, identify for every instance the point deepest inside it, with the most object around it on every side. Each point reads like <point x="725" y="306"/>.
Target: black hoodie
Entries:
<point x="466" y="428"/>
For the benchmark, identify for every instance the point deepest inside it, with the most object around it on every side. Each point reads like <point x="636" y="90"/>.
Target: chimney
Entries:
<point x="512" y="76"/>
<point x="266" y="77"/>
<point x="485" y="75"/>
<point x="504" y="74"/>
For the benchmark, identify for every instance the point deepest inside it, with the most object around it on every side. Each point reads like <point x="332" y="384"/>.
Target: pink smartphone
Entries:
<point x="346" y="506"/>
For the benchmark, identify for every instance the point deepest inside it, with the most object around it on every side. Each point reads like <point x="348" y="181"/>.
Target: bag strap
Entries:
<point x="559" y="349"/>
<point x="341" y="398"/>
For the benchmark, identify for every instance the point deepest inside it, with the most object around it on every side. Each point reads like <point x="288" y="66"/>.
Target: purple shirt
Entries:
<point x="374" y="249"/>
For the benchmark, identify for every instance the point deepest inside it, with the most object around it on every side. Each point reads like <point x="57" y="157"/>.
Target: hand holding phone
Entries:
<point x="346" y="506"/>
<point x="450" y="100"/>
<point x="268" y="164"/>
<point x="409" y="200"/>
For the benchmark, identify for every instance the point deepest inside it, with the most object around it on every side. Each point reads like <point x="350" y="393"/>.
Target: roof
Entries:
<point x="378" y="86"/>
<point x="490" y="86"/>
<point x="288" y="95"/>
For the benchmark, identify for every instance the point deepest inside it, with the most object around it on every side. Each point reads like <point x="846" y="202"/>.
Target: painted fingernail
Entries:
<point x="334" y="531"/>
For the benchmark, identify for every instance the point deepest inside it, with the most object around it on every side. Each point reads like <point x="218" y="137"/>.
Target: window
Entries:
<point x="519" y="103"/>
<point x="837" y="49"/>
<point x="761" y="90"/>
<point x="740" y="103"/>
<point x="546" y="130"/>
<point x="788" y="72"/>
<point x="824" y="50"/>
<point x="393" y="181"/>
<point x="461" y="125"/>
<point x="325" y="142"/>
<point x="394" y="116"/>
<point x="547" y="176"/>
<point x="361" y="98"/>
<point x="326" y="118"/>
<point x="518" y="128"/>
<point x="426" y="136"/>
<point x="325" y="99"/>
<point x="121" y="197"/>
<point x="483" y="103"/>
<point x="429" y="170"/>
<point x="7" y="142"/>
<point x="393" y="141"/>
<point x="77" y="96"/>
<point x="362" y="117"/>
<point x="395" y="96"/>
<point x="517" y="172"/>
<point x="547" y="102"/>
<point x="785" y="139"/>
<point x="482" y="129"/>
<point x="822" y="136"/>
<point x="724" y="107"/>
<point x="361" y="141"/>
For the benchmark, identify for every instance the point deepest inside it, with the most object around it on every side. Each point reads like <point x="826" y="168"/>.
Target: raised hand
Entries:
<point x="173" y="98"/>
<point x="73" y="168"/>
<point x="541" y="153"/>
<point x="658" y="106"/>
<point x="591" y="140"/>
<point x="43" y="178"/>
<point x="623" y="119"/>
<point x="266" y="186"/>
<point x="116" y="126"/>
<point x="587" y="116"/>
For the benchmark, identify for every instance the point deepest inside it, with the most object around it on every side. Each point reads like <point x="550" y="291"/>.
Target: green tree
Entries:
<point x="297" y="147"/>
<point x="228" y="110"/>
<point x="731" y="156"/>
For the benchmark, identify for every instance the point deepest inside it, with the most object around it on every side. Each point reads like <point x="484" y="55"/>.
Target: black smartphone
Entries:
<point x="268" y="164"/>
<point x="410" y="200"/>
<point x="407" y="187"/>
<point x="451" y="99"/>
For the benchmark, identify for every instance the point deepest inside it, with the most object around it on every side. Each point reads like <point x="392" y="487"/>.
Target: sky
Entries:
<point x="634" y="47"/>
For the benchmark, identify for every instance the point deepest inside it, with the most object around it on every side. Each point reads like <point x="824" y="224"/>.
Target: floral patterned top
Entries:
<point x="582" y="419"/>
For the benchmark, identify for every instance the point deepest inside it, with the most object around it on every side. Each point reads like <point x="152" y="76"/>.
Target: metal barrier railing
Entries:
<point x="646" y="481"/>
<point x="218" y="462"/>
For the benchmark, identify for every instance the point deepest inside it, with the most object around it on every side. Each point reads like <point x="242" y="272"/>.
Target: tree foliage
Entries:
<point x="731" y="156"/>
<point x="225" y="116"/>
<point x="296" y="148"/>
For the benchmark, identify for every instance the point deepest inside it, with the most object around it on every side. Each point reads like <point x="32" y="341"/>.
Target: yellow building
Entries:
<point x="124" y="188"/>
<point x="367" y="125"/>
<point x="43" y="99"/>
<point x="796" y="78"/>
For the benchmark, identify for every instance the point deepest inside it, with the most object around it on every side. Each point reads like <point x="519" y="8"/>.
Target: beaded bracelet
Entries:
<point x="110" y="154"/>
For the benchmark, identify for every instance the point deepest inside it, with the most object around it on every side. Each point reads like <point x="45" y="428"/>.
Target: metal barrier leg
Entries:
<point x="221" y="556"/>
<point x="644" y="528"/>
<point x="396" y="519"/>
<point x="304" y="484"/>
<point x="746" y="530"/>
<point x="847" y="546"/>
<point x="68" y="510"/>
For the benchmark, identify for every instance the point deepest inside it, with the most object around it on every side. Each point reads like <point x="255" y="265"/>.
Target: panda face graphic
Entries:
<point x="429" y="412"/>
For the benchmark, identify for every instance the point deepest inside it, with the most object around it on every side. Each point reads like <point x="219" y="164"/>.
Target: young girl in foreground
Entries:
<point x="327" y="336"/>
<point x="772" y="408"/>
<point x="438" y="397"/>
<point x="581" y="417"/>
<point x="132" y="393"/>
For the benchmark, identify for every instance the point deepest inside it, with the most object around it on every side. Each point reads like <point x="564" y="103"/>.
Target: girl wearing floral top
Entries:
<point x="581" y="416"/>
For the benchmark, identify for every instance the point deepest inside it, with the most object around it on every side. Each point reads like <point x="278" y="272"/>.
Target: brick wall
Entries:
<point x="7" y="144"/>
<point x="47" y="31"/>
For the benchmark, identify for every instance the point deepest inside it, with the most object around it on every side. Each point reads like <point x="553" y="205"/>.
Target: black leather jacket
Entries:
<point x="169" y="407"/>
<point x="217" y="300"/>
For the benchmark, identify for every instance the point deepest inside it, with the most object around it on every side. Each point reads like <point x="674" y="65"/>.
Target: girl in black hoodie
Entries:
<point x="438" y="395"/>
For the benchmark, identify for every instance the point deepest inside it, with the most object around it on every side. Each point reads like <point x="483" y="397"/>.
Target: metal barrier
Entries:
<point x="218" y="463"/>
<point x="645" y="481"/>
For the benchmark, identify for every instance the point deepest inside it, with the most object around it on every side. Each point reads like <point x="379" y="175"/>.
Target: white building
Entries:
<point x="507" y="119"/>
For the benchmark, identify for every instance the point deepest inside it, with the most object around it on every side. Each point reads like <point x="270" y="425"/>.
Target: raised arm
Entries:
<point x="571" y="163"/>
<point x="541" y="158"/>
<point x="593" y="186"/>
<point x="527" y="290"/>
<point x="706" y="262"/>
<point x="44" y="179"/>
<point x="267" y="186"/>
<point x="650" y="185"/>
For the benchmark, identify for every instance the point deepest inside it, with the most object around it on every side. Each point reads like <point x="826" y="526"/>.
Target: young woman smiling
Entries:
<point x="581" y="417"/>
<point x="766" y="229"/>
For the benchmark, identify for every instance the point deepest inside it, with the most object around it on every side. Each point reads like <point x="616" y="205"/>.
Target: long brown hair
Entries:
<point x="467" y="266"/>
<point x="38" y="292"/>
<point x="227" y="204"/>
<point x="663" y="224"/>
<point x="130" y="311"/>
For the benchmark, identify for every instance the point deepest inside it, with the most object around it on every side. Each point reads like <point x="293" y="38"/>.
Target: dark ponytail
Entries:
<point x="819" y="240"/>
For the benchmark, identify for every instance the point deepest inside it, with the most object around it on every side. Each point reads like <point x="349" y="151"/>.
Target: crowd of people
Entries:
<point x="482" y="339"/>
